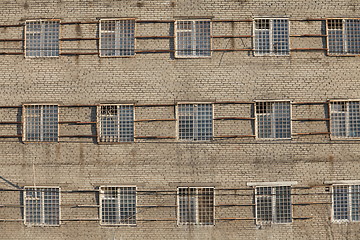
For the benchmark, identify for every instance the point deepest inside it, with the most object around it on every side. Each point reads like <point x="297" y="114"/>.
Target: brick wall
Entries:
<point x="79" y="165"/>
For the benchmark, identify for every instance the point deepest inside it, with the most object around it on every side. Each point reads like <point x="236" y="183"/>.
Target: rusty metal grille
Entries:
<point x="193" y="38"/>
<point x="345" y="119"/>
<point x="273" y="205"/>
<point x="117" y="38"/>
<point x="195" y="122"/>
<point x="273" y="119"/>
<point x="42" y="206"/>
<point x="40" y="123"/>
<point x="346" y="203"/>
<point x="271" y="36"/>
<point x="116" y="123"/>
<point x="118" y="205"/>
<point x="195" y="206"/>
<point x="42" y="38"/>
<point x="343" y="36"/>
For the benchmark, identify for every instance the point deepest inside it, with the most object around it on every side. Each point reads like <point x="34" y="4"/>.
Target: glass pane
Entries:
<point x="341" y="202"/>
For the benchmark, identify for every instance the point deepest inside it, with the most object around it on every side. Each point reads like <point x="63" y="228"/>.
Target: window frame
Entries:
<point x="42" y="214"/>
<point x="41" y="21"/>
<point x="193" y="46"/>
<point x="347" y="120"/>
<point x="272" y="185"/>
<point x="100" y="38"/>
<point x="101" y="197"/>
<point x="349" y="193"/>
<point x="344" y="38"/>
<point x="24" y="123"/>
<point x="272" y="127"/>
<point x="274" y="208"/>
<point x="178" y="121"/>
<point x="256" y="52"/>
<point x="197" y="220"/>
<point x="98" y="123"/>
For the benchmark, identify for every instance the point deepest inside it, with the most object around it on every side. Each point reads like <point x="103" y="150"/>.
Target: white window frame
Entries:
<point x="101" y="197"/>
<point x="349" y="204"/>
<point x="193" y="40"/>
<point x="271" y="36"/>
<point x="344" y="38"/>
<point x="24" y="116"/>
<point x="272" y="120"/>
<point x="347" y="119"/>
<point x="178" y="121"/>
<point x="42" y="214"/>
<point x="99" y="123"/>
<point x="273" y="186"/>
<point x="116" y="39"/>
<point x="197" y="220"/>
<point x="42" y="37"/>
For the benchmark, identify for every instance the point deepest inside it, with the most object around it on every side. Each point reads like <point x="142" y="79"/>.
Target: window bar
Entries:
<point x="193" y="38"/>
<point x="42" y="38"/>
<point x="343" y="36"/>
<point x="195" y="206"/>
<point x="116" y="123"/>
<point x="40" y="123"/>
<point x="118" y="205"/>
<point x="42" y="206"/>
<point x="273" y="205"/>
<point x="117" y="38"/>
<point x="345" y="119"/>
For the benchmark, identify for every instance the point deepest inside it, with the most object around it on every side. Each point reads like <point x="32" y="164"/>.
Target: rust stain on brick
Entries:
<point x="78" y="30"/>
<point x="233" y="33"/>
<point x="81" y="154"/>
<point x="57" y="152"/>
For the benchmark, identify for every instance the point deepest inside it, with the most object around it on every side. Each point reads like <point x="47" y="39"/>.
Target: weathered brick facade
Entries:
<point x="155" y="82"/>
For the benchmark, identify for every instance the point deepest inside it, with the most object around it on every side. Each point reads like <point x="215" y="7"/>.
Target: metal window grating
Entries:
<point x="117" y="38"/>
<point x="343" y="36"/>
<point x="346" y="203"/>
<point x="118" y="205"/>
<point x="345" y="119"/>
<point x="273" y="205"/>
<point x="273" y="119"/>
<point x="42" y="206"/>
<point x="193" y="38"/>
<point x="195" y="122"/>
<point x="40" y="123"/>
<point x="116" y="123"/>
<point x="42" y="38"/>
<point x="196" y="206"/>
<point x="271" y="36"/>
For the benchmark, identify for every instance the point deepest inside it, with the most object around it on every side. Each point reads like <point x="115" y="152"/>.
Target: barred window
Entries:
<point x="343" y="36"/>
<point x="273" y="205"/>
<point x="42" y="38"/>
<point x="196" y="205"/>
<point x="118" y="205"/>
<point x="195" y="122"/>
<point x="193" y="38"/>
<point x="40" y="123"/>
<point x="273" y="119"/>
<point x="346" y="203"/>
<point x="345" y="119"/>
<point x="42" y="206"/>
<point x="271" y="36"/>
<point x="117" y="38"/>
<point x="116" y="123"/>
